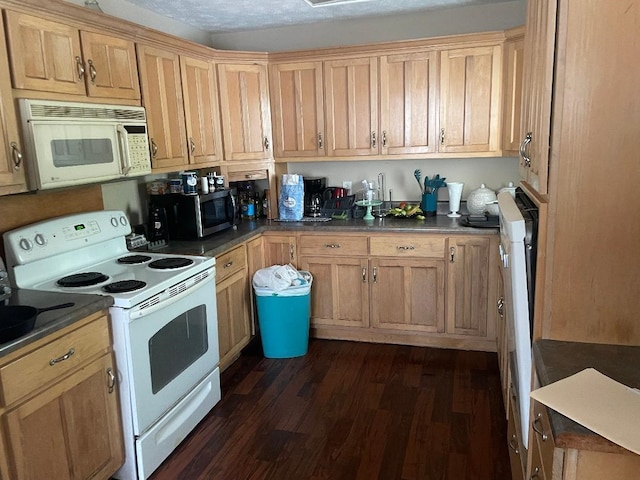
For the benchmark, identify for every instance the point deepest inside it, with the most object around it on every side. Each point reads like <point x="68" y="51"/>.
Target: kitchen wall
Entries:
<point x="398" y="174"/>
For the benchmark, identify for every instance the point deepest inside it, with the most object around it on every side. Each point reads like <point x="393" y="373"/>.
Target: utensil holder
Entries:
<point x="429" y="204"/>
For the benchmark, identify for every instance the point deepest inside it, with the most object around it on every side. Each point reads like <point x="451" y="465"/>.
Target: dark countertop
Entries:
<point x="222" y="241"/>
<point x="555" y="360"/>
<point x="49" y="322"/>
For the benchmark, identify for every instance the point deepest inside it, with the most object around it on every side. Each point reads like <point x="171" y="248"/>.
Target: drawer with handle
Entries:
<point x="337" y="245"/>
<point x="53" y="360"/>
<point x="541" y="434"/>
<point x="230" y="262"/>
<point x="407" y="246"/>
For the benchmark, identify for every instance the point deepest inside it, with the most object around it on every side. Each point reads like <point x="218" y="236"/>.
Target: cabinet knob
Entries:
<point x="154" y="148"/>
<point x="384" y="138"/>
<point x="320" y="140"/>
<point x="537" y="427"/>
<point x="452" y="254"/>
<point x="364" y="275"/>
<point x="192" y="145"/>
<point x="373" y="139"/>
<point x="523" y="149"/>
<point x="405" y="247"/>
<point x="266" y="143"/>
<point x="442" y="136"/>
<point x="111" y="380"/>
<point x="64" y="357"/>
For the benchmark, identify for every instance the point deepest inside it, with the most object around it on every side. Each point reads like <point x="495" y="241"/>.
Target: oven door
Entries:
<point x="171" y="347"/>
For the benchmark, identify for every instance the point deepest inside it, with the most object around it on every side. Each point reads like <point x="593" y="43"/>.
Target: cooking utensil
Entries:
<point x="18" y="320"/>
<point x="417" y="174"/>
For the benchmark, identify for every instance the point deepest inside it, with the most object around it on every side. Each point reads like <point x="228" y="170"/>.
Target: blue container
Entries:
<point x="283" y="318"/>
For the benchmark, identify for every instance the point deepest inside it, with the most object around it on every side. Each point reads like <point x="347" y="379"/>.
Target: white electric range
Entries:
<point x="163" y="320"/>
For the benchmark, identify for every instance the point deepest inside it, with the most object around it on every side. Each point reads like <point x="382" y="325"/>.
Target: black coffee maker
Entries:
<point x="157" y="226"/>
<point x="313" y="187"/>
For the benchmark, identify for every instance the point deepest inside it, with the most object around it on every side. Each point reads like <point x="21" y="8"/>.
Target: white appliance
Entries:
<point x="69" y="143"/>
<point x="164" y="322"/>
<point x="514" y="274"/>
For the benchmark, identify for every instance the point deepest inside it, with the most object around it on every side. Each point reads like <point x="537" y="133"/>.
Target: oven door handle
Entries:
<point x="151" y="305"/>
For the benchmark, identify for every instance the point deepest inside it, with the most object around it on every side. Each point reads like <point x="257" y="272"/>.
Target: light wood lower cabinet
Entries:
<point x="63" y="422"/>
<point x="280" y="249"/>
<point x="234" y="304"/>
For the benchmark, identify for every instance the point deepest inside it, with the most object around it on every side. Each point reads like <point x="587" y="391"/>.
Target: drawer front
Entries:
<point x="244" y="175"/>
<point x="541" y="434"/>
<point x="407" y="246"/>
<point x="53" y="360"/>
<point x="230" y="262"/>
<point x="336" y="245"/>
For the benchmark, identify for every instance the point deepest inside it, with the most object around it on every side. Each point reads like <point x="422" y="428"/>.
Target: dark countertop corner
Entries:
<point x="555" y="360"/>
<point x="49" y="322"/>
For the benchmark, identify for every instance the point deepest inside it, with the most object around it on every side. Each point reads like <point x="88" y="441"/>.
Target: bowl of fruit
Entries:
<point x="406" y="210"/>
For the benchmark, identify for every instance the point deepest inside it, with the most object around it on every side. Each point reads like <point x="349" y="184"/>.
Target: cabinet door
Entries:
<point x="234" y="320"/>
<point x="201" y="111"/>
<point x="45" y="55"/>
<point x="470" y="285"/>
<point x="470" y="86"/>
<point x="279" y="250"/>
<point x="111" y="66"/>
<point x="71" y="430"/>
<point x="512" y="94"/>
<point x="162" y="98"/>
<point x="298" y="109"/>
<point x="245" y="112"/>
<point x="340" y="290"/>
<point x="407" y="294"/>
<point x="12" y="176"/>
<point x="539" y="55"/>
<point x="408" y="103"/>
<point x="351" y="91"/>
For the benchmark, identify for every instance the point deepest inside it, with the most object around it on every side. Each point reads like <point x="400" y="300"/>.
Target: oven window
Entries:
<point x="81" y="151"/>
<point x="177" y="345"/>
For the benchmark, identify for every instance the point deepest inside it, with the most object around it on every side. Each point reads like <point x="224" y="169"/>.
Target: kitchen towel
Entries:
<point x="598" y="402"/>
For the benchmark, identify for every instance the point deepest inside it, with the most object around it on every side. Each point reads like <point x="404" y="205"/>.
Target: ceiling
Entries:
<point x="219" y="16"/>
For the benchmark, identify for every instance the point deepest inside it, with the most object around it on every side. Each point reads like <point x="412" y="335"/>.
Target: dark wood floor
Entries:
<point x="352" y="411"/>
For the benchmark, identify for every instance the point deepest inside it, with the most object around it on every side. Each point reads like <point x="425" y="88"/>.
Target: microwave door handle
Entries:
<point x="125" y="164"/>
<point x="231" y="203"/>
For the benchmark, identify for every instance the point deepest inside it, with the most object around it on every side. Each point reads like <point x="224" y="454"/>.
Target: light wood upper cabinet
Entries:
<point x="512" y="91"/>
<point x="408" y="103"/>
<point x="245" y="112"/>
<point x="162" y="99"/>
<point x="297" y="104"/>
<point x="12" y="174"/>
<point x="111" y="70"/>
<point x="539" y="55"/>
<point x="470" y="88"/>
<point x="54" y="57"/>
<point x="351" y="92"/>
<point x="201" y="111"/>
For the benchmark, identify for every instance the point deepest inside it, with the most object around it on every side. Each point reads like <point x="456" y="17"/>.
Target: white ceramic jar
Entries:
<point x="478" y="199"/>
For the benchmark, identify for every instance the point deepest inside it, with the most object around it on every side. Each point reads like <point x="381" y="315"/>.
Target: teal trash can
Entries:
<point x="283" y="318"/>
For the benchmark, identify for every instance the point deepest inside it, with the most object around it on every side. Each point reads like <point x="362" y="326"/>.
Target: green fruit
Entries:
<point x="420" y="217"/>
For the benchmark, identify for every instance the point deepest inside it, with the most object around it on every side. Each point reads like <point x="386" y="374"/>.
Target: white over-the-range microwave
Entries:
<point x="68" y="143"/>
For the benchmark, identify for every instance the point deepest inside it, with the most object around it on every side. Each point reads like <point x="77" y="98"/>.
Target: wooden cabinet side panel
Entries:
<point x="43" y="54"/>
<point x="512" y="93"/>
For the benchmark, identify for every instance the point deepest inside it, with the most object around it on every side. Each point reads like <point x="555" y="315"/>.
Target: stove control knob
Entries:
<point x="25" y="244"/>
<point x="114" y="222"/>
<point x="123" y="221"/>
<point x="40" y="239"/>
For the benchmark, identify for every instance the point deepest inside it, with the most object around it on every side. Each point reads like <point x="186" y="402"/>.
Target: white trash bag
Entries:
<point x="279" y="277"/>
